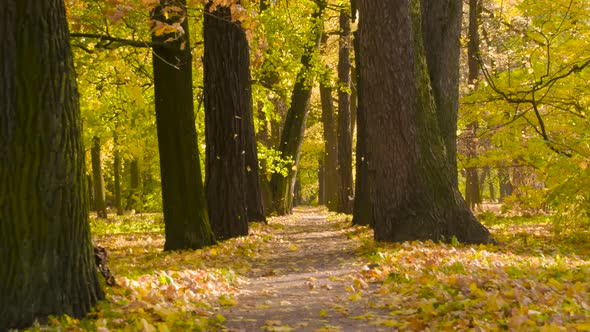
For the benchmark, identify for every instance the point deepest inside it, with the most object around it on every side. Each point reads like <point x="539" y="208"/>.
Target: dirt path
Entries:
<point x="311" y="282"/>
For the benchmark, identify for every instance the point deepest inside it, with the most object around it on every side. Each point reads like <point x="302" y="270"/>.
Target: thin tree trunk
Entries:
<point x="90" y="190"/>
<point x="134" y="190"/>
<point x="227" y="102"/>
<point x="117" y="171"/>
<point x="321" y="183"/>
<point x="98" y="180"/>
<point x="183" y="196"/>
<point x="412" y="194"/>
<point x="345" y="188"/>
<point x="362" y="212"/>
<point x="330" y="146"/>
<point x="295" y="122"/>
<point x="506" y="188"/>
<point x="353" y="97"/>
<point x="472" y="185"/>
<point x="47" y="264"/>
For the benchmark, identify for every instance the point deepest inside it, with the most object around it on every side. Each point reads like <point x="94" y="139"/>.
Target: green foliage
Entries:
<point x="273" y="160"/>
<point x="532" y="105"/>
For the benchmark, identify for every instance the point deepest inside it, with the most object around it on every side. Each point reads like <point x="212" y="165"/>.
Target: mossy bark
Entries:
<point x="441" y="32"/>
<point x="412" y="195"/>
<point x="47" y="264"/>
<point x="183" y="196"/>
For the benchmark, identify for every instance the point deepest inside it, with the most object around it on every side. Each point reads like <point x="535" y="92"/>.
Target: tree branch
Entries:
<point x="105" y="41"/>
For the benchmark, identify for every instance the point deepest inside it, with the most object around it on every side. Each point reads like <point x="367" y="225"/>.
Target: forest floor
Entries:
<point x="314" y="271"/>
<point x="312" y="280"/>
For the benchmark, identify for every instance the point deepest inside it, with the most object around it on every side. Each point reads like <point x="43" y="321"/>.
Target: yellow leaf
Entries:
<point x="583" y="326"/>
<point x="322" y="312"/>
<point x="293" y="247"/>
<point x="227" y="301"/>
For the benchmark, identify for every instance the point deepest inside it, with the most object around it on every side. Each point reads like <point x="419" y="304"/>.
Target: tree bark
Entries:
<point x="330" y="146"/>
<point x="47" y="258"/>
<point x="412" y="195"/>
<point x="362" y="211"/>
<point x="294" y="128"/>
<point x="472" y="185"/>
<point x="183" y="196"/>
<point x="227" y="104"/>
<point x="441" y="30"/>
<point x="98" y="180"/>
<point x="345" y="188"/>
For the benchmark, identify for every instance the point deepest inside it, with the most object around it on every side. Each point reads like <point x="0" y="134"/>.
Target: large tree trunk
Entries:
<point x="98" y="180"/>
<point x="362" y="211"/>
<point x="330" y="146"/>
<point x="294" y="128"/>
<point x="412" y="195"/>
<point x="472" y="185"/>
<point x="345" y="188"/>
<point x="441" y="30"/>
<point x="183" y="196"/>
<point x="227" y="104"/>
<point x="47" y="260"/>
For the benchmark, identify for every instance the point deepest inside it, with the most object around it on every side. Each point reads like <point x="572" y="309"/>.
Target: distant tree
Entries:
<point x="183" y="196"/>
<point x="98" y="180"/>
<point x="412" y="196"/>
<point x="294" y="126"/>
<point x="47" y="260"/>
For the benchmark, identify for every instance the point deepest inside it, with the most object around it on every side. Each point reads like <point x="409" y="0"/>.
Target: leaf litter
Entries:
<point x="313" y="271"/>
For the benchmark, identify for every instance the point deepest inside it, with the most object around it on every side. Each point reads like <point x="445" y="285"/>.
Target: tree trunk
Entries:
<point x="362" y="212"/>
<point x="90" y="190"/>
<point x="506" y="188"/>
<point x="183" y="196"/>
<point x="321" y="183"/>
<point x="353" y="97"/>
<point x="441" y="31"/>
<point x="117" y="171"/>
<point x="294" y="127"/>
<point x="47" y="258"/>
<point x="412" y="195"/>
<point x="330" y="146"/>
<point x="345" y="188"/>
<point x="472" y="185"/>
<point x="227" y="104"/>
<point x="134" y="190"/>
<point x="98" y="180"/>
